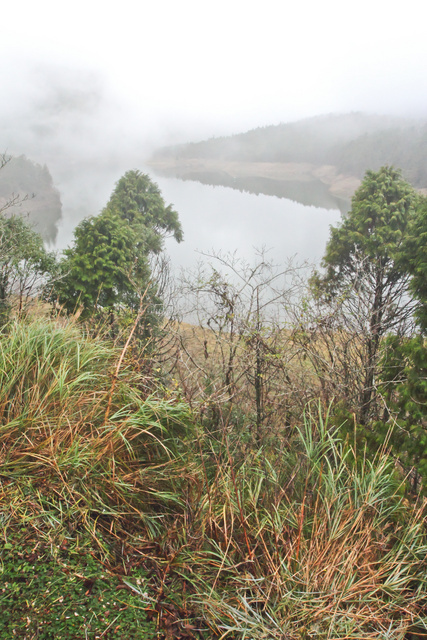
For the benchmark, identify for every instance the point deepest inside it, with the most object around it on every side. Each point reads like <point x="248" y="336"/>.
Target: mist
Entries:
<point x="92" y="91"/>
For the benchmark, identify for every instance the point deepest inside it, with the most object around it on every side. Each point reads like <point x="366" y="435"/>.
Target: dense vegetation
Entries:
<point x="258" y="473"/>
<point x="352" y="143"/>
<point x="107" y="269"/>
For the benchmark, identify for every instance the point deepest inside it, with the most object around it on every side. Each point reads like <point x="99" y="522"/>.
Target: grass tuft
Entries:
<point x="111" y="495"/>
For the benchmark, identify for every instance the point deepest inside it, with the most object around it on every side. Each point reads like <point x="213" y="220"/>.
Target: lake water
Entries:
<point x="217" y="218"/>
<point x="214" y="218"/>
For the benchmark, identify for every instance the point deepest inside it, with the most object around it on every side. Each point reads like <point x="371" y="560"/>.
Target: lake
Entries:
<point x="218" y="218"/>
<point x="214" y="218"/>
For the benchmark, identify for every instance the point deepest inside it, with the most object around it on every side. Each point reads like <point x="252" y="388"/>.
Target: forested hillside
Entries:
<point x="26" y="188"/>
<point x="352" y="143"/>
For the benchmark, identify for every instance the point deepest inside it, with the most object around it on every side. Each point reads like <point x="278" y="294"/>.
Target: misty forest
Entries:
<point x="236" y="451"/>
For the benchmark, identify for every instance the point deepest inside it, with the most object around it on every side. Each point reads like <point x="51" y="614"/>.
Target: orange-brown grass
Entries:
<point x="302" y="537"/>
<point x="214" y="369"/>
<point x="81" y="432"/>
<point x="313" y="541"/>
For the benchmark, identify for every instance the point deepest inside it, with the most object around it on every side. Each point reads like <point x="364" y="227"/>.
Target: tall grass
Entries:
<point x="300" y="538"/>
<point x="80" y="436"/>
<point x="318" y="545"/>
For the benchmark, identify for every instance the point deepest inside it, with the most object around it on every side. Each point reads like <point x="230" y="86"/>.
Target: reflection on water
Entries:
<point x="214" y="218"/>
<point x="227" y="220"/>
<point x="307" y="192"/>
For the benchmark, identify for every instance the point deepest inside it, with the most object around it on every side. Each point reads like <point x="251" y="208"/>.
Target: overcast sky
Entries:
<point x="189" y="68"/>
<point x="91" y="88"/>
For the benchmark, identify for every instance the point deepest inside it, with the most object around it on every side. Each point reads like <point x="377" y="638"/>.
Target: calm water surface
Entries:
<point x="223" y="219"/>
<point x="214" y="218"/>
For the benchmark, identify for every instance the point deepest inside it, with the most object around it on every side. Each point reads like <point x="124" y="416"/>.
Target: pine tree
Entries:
<point x="107" y="269"/>
<point x="363" y="268"/>
<point x="404" y="366"/>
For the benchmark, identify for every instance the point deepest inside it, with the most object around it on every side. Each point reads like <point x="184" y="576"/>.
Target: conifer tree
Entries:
<point x="107" y="269"/>
<point x="363" y="269"/>
<point x="416" y="261"/>
<point x="404" y="366"/>
<point x="139" y="201"/>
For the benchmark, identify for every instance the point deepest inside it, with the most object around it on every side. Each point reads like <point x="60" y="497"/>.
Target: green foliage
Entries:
<point x="416" y="261"/>
<point x="104" y="269"/>
<point x="137" y="199"/>
<point x="404" y="386"/>
<point x="108" y="269"/>
<point x="24" y="262"/>
<point x="404" y="364"/>
<point x="78" y="431"/>
<point x="365" y="277"/>
<point x="368" y="242"/>
<point x="63" y="593"/>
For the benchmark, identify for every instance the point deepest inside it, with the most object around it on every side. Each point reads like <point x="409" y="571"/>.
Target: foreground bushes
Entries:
<point x="324" y="546"/>
<point x="80" y="428"/>
<point x="306" y="538"/>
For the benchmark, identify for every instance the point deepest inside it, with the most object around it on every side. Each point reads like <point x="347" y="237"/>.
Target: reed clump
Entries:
<point x="297" y="536"/>
<point x="313" y="541"/>
<point x="80" y="435"/>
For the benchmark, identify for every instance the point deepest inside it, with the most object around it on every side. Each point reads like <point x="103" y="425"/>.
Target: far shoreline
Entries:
<point x="339" y="185"/>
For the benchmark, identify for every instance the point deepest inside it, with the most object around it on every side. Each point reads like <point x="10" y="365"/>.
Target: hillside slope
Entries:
<point x="334" y="150"/>
<point x="26" y="188"/>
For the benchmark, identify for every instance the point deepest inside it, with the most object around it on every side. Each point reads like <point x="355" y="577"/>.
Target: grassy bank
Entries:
<point x="122" y="518"/>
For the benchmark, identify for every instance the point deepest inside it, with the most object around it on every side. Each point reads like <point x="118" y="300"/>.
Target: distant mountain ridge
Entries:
<point x="350" y="143"/>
